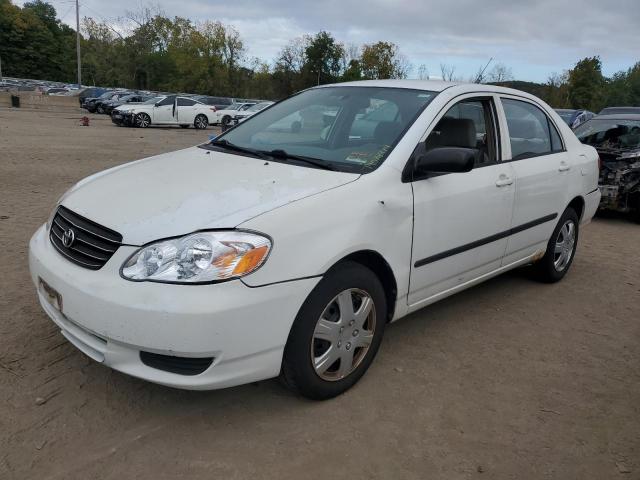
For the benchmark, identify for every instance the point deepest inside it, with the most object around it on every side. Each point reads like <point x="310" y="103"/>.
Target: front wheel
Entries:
<point x="142" y="120"/>
<point x="561" y="249"/>
<point x="336" y="334"/>
<point x="201" y="122"/>
<point x="100" y="109"/>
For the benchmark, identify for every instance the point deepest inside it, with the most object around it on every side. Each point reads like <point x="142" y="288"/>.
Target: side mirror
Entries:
<point x="445" y="160"/>
<point x="157" y="104"/>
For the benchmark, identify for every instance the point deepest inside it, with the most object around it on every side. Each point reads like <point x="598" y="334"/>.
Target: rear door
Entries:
<point x="164" y="112"/>
<point x="186" y="110"/>
<point x="461" y="220"/>
<point x="541" y="165"/>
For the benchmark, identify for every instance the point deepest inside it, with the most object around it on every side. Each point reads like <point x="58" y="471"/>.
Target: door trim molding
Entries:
<point x="484" y="241"/>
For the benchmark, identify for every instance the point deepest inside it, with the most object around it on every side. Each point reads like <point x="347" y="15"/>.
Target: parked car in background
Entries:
<point x="574" y="118"/>
<point x="99" y="104"/>
<point x="219" y="102"/>
<point x="91" y="92"/>
<point x="90" y="103"/>
<point x="619" y="110"/>
<point x="108" y="106"/>
<point x="166" y="110"/>
<point x="616" y="137"/>
<point x="119" y="115"/>
<point x="223" y="117"/>
<point x="57" y="91"/>
<point x="286" y="252"/>
<point x="241" y="115"/>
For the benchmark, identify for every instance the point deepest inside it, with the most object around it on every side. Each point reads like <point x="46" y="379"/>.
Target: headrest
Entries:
<point x="455" y="132"/>
<point x="387" y="133"/>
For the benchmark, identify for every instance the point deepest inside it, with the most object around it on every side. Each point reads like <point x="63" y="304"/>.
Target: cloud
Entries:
<point x="534" y="37"/>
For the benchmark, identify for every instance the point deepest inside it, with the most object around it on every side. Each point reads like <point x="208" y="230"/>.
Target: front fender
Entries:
<point x="310" y="235"/>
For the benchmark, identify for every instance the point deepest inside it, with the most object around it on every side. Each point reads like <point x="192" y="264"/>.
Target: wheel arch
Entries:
<point x="378" y="265"/>
<point x="577" y="204"/>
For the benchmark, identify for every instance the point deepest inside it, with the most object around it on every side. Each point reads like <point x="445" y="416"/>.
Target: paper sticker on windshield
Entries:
<point x="358" y="157"/>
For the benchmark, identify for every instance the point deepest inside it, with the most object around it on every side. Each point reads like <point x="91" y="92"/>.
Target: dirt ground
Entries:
<point x="509" y="380"/>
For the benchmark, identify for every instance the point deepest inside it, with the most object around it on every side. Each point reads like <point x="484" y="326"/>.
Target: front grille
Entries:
<point x="179" y="365"/>
<point x="88" y="244"/>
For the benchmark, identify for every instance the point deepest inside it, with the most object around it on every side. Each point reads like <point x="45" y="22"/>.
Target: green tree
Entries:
<point x="323" y="59"/>
<point x="586" y="84"/>
<point x="383" y="60"/>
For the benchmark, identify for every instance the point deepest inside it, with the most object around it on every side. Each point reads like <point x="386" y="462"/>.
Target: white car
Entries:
<point x="241" y="115"/>
<point x="165" y="110"/>
<point x="285" y="251"/>
<point x="224" y="117"/>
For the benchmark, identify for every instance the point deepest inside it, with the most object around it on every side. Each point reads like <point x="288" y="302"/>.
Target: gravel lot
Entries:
<point x="509" y="380"/>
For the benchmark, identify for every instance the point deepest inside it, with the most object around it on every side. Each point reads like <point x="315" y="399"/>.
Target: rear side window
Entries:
<point x="185" y="102"/>
<point x="531" y="132"/>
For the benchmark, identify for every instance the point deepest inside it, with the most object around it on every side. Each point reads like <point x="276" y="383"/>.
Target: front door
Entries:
<point x="165" y="111"/>
<point x="461" y="220"/>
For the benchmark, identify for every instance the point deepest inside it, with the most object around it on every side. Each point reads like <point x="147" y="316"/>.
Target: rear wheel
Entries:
<point x="201" y="122"/>
<point x="143" y="120"/>
<point x="561" y="249"/>
<point x="100" y="109"/>
<point x="226" y="120"/>
<point x="336" y="334"/>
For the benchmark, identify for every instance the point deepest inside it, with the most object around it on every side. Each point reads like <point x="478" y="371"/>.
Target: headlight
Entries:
<point x="198" y="258"/>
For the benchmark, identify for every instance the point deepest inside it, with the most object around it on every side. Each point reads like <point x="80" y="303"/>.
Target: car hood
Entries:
<point x="193" y="189"/>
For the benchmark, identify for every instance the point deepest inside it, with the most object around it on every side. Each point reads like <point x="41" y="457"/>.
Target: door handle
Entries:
<point x="564" y="167"/>
<point x="504" y="181"/>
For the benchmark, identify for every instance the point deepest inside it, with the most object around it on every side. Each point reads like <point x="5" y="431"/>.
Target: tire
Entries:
<point x="555" y="264"/>
<point x="322" y="336"/>
<point x="100" y="109"/>
<point x="226" y="120"/>
<point x="201" y="122"/>
<point x="142" y="120"/>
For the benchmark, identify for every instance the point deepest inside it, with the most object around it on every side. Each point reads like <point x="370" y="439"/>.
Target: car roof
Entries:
<point x="618" y="116"/>
<point x="435" y="86"/>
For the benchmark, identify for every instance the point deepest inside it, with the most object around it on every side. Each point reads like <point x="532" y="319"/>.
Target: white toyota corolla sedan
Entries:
<point x="284" y="246"/>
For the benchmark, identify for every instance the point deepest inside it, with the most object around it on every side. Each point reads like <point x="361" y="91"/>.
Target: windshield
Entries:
<point x="153" y="100"/>
<point x="610" y="134"/>
<point x="347" y="128"/>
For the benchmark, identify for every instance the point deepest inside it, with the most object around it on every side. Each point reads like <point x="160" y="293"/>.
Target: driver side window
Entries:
<point x="167" y="101"/>
<point x="468" y="124"/>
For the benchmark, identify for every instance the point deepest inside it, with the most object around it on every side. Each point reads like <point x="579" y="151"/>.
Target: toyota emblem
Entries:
<point x="68" y="238"/>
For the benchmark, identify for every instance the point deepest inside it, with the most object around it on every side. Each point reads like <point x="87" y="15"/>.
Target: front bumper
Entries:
<point x="122" y="118"/>
<point x="112" y="320"/>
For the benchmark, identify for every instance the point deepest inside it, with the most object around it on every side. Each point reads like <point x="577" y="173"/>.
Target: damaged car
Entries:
<point x="617" y="140"/>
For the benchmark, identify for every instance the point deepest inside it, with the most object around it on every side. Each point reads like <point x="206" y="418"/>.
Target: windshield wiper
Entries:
<point x="237" y="148"/>
<point x="284" y="155"/>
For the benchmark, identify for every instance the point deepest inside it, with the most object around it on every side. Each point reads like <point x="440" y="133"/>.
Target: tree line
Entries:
<point x="146" y="49"/>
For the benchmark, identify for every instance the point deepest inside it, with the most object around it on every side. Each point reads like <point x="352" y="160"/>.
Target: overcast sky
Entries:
<point x="532" y="37"/>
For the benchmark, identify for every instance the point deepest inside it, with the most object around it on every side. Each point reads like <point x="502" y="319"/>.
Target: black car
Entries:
<point x="219" y="102"/>
<point x="90" y="103"/>
<point x="99" y="104"/>
<point x="91" y="92"/>
<point x="108" y="106"/>
<point x="617" y="140"/>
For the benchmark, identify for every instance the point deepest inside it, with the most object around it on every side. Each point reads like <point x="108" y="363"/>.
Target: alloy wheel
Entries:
<point x="143" y="120"/>
<point x="565" y="245"/>
<point x="343" y="334"/>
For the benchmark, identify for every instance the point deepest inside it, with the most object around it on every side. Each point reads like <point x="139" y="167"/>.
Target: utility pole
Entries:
<point x="78" y="44"/>
<point x="0" y="68"/>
